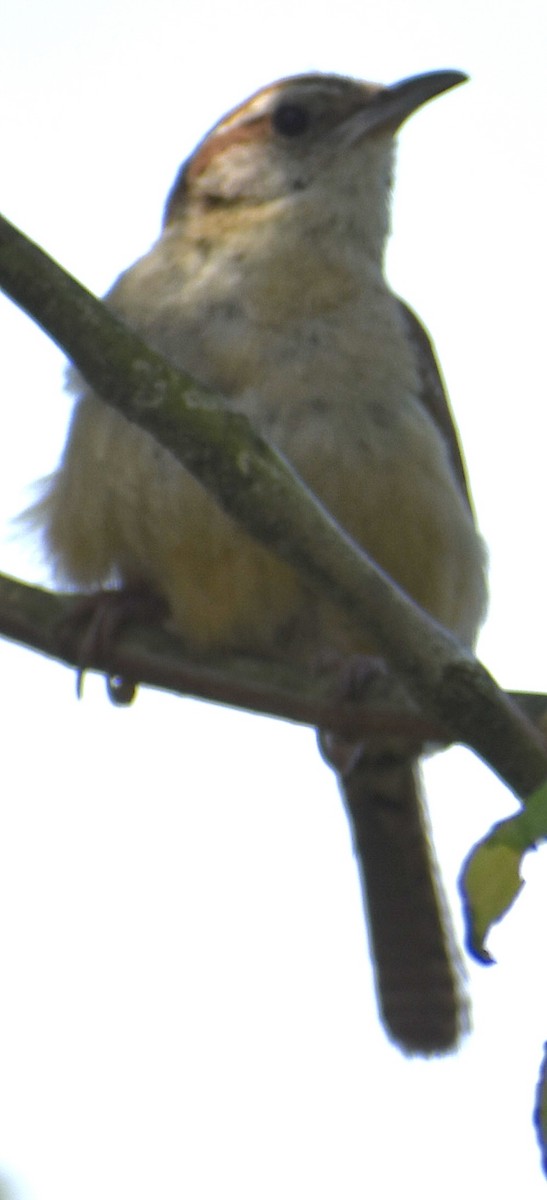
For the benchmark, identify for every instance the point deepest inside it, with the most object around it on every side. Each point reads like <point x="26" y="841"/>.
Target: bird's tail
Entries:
<point x="418" y="979"/>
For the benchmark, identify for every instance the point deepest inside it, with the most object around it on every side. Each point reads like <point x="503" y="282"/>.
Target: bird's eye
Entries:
<point x="291" y="120"/>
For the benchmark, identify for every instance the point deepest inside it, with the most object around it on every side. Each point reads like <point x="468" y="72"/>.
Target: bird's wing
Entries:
<point x="433" y="392"/>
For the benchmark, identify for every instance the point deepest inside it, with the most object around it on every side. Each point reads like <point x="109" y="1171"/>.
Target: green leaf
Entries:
<point x="491" y="881"/>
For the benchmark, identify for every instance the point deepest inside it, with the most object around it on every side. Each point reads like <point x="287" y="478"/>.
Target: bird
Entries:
<point x="267" y="285"/>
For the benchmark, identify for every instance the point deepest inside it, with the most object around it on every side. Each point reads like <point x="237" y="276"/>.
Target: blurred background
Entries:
<point x="186" y="1004"/>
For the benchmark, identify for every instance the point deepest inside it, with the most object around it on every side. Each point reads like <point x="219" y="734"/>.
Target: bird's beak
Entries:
<point x="385" y="108"/>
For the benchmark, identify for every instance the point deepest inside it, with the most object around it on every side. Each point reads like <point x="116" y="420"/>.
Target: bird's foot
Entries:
<point x="96" y="621"/>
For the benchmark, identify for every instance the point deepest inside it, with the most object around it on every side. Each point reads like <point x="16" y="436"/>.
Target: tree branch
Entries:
<point x="154" y="656"/>
<point x="255" y="485"/>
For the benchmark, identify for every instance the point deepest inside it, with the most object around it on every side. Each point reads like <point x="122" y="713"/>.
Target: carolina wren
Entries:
<point x="267" y="284"/>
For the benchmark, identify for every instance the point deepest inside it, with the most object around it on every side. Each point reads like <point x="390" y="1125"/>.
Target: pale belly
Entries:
<point x="126" y="510"/>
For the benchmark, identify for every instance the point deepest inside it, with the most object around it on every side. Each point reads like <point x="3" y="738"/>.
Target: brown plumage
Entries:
<point x="267" y="284"/>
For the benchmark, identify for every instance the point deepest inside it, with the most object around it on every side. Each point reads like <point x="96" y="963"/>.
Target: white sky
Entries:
<point x="186" y="1003"/>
